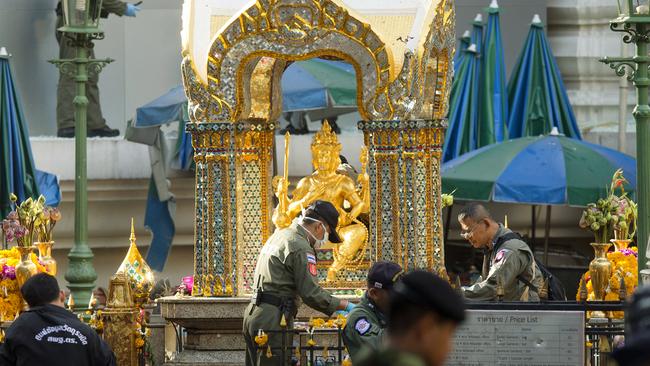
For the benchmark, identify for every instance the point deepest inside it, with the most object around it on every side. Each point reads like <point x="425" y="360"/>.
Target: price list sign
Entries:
<point x="514" y="338"/>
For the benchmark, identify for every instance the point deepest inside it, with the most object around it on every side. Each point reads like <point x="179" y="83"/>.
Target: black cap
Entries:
<point x="327" y="212"/>
<point x="40" y="289"/>
<point x="384" y="274"/>
<point x="636" y="352"/>
<point x="428" y="290"/>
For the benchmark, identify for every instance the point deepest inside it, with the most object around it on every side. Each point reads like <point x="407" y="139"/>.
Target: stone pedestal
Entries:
<point x="214" y="328"/>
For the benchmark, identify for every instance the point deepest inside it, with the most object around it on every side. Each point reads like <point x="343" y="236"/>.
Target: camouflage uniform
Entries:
<point x="67" y="90"/>
<point x="285" y="271"/>
<point x="364" y="328"/>
<point x="507" y="261"/>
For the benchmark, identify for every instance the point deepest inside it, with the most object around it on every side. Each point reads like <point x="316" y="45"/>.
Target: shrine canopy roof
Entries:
<point x="401" y="24"/>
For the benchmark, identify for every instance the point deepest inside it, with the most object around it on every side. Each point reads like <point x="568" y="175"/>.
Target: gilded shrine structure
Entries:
<point x="401" y="53"/>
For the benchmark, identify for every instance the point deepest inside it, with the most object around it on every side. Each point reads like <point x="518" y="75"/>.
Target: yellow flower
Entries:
<point x="311" y="342"/>
<point x="139" y="342"/>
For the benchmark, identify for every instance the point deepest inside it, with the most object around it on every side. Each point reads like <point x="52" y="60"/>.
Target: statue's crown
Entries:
<point x="325" y="136"/>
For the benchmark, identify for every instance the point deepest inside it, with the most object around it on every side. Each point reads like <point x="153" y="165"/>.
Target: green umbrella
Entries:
<point x="542" y="170"/>
<point x="17" y="172"/>
<point x="493" y="96"/>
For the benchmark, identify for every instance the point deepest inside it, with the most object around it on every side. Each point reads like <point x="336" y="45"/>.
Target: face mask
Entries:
<point x="317" y="242"/>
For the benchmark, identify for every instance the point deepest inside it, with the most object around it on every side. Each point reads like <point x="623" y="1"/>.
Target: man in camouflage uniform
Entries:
<point x="507" y="259"/>
<point x="424" y="313"/>
<point x="366" y="322"/>
<point x="67" y="90"/>
<point x="286" y="270"/>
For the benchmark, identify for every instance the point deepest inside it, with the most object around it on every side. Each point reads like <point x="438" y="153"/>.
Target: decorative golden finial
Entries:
<point x="622" y="293"/>
<point x="583" y="289"/>
<point x="325" y="136"/>
<point x="132" y="237"/>
<point x="283" y="322"/>
<point x="500" y="290"/>
<point x="543" y="292"/>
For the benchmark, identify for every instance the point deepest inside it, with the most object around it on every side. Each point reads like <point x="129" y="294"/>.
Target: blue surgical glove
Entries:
<point x="349" y="307"/>
<point x="131" y="10"/>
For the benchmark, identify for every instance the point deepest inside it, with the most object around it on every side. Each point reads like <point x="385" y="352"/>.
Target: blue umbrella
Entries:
<point x="17" y="172"/>
<point x="463" y="43"/>
<point x="536" y="93"/>
<point x="493" y="98"/>
<point x="546" y="170"/>
<point x="463" y="109"/>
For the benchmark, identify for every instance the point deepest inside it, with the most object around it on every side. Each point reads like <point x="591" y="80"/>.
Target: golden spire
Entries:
<point x="132" y="237"/>
<point x="325" y="136"/>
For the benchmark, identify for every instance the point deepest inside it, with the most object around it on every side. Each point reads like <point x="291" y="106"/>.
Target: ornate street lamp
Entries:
<point x="634" y="21"/>
<point x="81" y="27"/>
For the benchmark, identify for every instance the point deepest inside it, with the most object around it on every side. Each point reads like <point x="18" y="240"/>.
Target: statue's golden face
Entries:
<point x="325" y="158"/>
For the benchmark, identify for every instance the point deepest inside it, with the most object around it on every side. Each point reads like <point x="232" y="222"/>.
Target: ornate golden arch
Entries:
<point x="290" y="30"/>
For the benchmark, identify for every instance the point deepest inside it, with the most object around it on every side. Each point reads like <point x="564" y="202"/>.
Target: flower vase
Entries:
<point x="45" y="256"/>
<point x="26" y="268"/>
<point x="600" y="268"/>
<point x="620" y="240"/>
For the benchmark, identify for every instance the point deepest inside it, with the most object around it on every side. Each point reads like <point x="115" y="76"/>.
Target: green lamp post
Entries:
<point x="634" y="21"/>
<point x="81" y="27"/>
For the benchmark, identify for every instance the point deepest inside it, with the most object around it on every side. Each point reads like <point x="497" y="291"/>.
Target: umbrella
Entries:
<point x="493" y="99"/>
<point x="17" y="172"/>
<point x="465" y="41"/>
<point x="548" y="170"/>
<point x="324" y="88"/>
<point x="536" y="93"/>
<point x="462" y="107"/>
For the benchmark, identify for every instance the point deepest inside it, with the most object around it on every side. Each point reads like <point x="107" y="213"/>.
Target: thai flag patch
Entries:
<point x="311" y="258"/>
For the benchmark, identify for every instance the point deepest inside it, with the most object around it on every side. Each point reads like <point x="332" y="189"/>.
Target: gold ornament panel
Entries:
<point x="293" y="30"/>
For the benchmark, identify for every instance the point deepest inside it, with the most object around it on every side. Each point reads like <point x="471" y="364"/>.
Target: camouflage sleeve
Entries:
<point x="303" y="263"/>
<point x="360" y="333"/>
<point x="507" y="265"/>
<point x="114" y="6"/>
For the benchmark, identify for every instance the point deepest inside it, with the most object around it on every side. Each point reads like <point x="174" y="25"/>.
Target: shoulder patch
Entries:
<point x="500" y="255"/>
<point x="362" y="326"/>
<point x="311" y="258"/>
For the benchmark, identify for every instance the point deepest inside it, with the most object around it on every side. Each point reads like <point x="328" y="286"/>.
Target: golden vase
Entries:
<point x="620" y="240"/>
<point x="26" y="268"/>
<point x="45" y="256"/>
<point x="600" y="269"/>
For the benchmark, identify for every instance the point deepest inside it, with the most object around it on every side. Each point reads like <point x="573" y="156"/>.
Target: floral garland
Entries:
<point x="624" y="266"/>
<point x="11" y="302"/>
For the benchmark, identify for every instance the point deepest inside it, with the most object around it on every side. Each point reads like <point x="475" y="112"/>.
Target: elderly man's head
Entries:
<point x="477" y="226"/>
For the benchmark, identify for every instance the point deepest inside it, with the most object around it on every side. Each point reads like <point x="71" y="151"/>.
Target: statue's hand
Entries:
<point x="281" y="219"/>
<point x="281" y="186"/>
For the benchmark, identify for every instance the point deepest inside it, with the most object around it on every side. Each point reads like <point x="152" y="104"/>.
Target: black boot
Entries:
<point x="67" y="132"/>
<point x="104" y="132"/>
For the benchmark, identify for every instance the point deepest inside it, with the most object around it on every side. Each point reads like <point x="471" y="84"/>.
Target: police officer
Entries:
<point x="506" y="258"/>
<point x="286" y="269"/>
<point x="48" y="334"/>
<point x="367" y="321"/>
<point x="424" y="312"/>
<point x="66" y="89"/>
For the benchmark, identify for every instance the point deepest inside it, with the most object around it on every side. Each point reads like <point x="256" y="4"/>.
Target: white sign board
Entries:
<point x="511" y="337"/>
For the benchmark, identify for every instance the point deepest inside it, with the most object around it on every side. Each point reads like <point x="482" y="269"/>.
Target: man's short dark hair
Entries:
<point x="475" y="212"/>
<point x="40" y="289"/>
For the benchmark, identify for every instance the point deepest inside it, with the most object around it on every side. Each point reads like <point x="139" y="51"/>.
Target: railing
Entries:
<point x="327" y="346"/>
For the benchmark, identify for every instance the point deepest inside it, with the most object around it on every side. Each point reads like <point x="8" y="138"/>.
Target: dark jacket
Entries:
<point x="51" y="335"/>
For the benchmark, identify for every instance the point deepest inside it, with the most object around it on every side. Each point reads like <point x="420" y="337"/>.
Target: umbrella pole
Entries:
<point x="547" y="231"/>
<point x="532" y="235"/>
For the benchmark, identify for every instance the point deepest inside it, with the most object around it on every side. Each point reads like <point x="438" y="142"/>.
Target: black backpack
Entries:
<point x="556" y="291"/>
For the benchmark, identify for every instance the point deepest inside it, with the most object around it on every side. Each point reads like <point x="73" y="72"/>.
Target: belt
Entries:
<point x="285" y="304"/>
